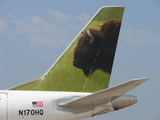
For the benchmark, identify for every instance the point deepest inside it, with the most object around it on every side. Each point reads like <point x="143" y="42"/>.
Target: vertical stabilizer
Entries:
<point x="86" y="65"/>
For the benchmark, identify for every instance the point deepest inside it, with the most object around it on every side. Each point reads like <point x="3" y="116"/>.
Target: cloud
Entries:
<point x="3" y="26"/>
<point x="59" y="16"/>
<point x="137" y="36"/>
<point x="36" y="30"/>
<point x="54" y="29"/>
<point x="83" y="17"/>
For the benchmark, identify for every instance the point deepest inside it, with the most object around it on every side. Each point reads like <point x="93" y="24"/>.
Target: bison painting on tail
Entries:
<point x="96" y="48"/>
<point x="86" y="64"/>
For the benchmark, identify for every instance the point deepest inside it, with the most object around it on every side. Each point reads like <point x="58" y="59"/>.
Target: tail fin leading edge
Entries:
<point x="86" y="65"/>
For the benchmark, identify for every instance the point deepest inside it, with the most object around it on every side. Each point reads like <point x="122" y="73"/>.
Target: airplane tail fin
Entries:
<point x="86" y="65"/>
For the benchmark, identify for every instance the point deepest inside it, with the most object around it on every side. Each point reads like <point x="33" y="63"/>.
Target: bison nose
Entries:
<point x="77" y="64"/>
<point x="74" y="63"/>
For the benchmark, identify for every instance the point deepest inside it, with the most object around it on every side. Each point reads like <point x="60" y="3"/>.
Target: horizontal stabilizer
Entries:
<point x="104" y="96"/>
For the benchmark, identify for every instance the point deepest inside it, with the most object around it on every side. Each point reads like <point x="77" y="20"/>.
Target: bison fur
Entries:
<point x="96" y="48"/>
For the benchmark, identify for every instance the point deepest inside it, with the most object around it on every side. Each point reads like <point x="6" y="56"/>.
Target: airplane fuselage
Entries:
<point x="20" y="105"/>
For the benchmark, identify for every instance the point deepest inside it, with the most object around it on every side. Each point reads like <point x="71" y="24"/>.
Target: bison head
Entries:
<point x="87" y="49"/>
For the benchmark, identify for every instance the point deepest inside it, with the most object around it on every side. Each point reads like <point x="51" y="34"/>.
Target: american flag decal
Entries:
<point x="37" y="104"/>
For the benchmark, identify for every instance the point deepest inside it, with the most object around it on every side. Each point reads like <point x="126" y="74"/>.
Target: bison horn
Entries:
<point x="90" y="36"/>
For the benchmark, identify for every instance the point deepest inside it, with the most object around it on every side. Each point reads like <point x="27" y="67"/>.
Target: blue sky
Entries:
<point x="34" y="33"/>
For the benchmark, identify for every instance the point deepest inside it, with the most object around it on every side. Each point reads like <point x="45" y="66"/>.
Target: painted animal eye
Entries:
<point x="87" y="39"/>
<point x="83" y="48"/>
